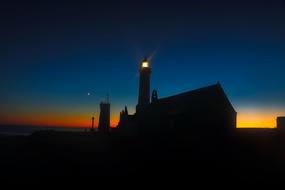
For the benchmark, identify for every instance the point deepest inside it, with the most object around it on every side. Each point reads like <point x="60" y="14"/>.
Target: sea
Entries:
<point x="26" y="130"/>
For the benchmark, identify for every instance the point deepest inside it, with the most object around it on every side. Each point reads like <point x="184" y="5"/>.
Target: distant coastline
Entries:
<point x="26" y="130"/>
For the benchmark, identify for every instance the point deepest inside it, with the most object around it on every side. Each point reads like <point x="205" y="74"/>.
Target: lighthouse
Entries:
<point x="144" y="86"/>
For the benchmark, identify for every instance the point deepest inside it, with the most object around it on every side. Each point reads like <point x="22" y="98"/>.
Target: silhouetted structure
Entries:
<point x="281" y="122"/>
<point x="92" y="126"/>
<point x="154" y="96"/>
<point x="104" y="118"/>
<point x="206" y="110"/>
<point x="144" y="86"/>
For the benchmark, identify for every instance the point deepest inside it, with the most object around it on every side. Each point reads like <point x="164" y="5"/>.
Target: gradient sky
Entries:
<point x="53" y="54"/>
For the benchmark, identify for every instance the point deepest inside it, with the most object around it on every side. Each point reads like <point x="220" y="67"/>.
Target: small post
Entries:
<point x="92" y="127"/>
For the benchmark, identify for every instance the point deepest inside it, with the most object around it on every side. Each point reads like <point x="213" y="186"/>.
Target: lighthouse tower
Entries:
<point x="144" y="86"/>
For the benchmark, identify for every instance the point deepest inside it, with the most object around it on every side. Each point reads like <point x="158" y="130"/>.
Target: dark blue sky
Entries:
<point x="53" y="54"/>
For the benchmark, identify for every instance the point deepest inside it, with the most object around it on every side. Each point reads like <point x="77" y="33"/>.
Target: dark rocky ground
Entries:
<point x="246" y="156"/>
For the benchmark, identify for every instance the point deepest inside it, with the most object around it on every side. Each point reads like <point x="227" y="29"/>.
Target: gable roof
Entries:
<point x="213" y="94"/>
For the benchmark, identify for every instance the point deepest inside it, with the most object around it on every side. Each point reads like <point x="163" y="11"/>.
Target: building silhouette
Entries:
<point x="281" y="122"/>
<point x="206" y="110"/>
<point x="104" y="118"/>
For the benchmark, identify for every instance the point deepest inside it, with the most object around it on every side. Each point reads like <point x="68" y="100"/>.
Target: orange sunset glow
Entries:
<point x="253" y="118"/>
<point x="245" y="119"/>
<point x="56" y="120"/>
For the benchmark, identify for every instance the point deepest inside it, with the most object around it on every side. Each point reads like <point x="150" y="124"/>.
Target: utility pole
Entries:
<point x="92" y="127"/>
